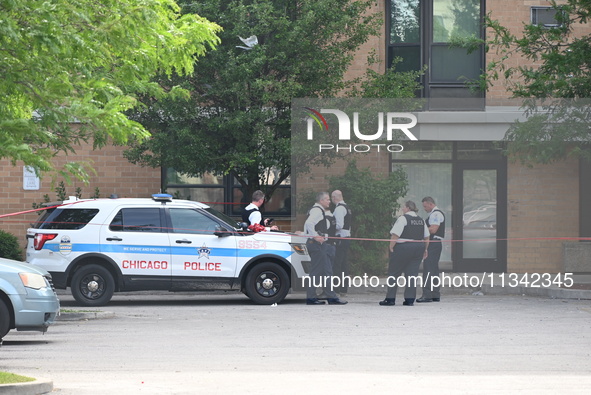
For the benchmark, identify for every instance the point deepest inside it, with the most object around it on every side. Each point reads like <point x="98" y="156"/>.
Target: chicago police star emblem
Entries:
<point x="203" y="252"/>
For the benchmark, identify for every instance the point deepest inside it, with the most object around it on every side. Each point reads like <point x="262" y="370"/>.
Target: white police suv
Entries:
<point x="101" y="246"/>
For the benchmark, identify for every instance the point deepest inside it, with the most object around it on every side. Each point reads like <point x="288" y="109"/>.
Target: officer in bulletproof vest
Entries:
<point x="408" y="247"/>
<point x="319" y="227"/>
<point x="436" y="224"/>
<point x="343" y="216"/>
<point x="251" y="214"/>
<point x="327" y="227"/>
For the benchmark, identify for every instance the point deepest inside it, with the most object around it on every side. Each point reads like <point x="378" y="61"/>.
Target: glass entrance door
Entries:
<point x="480" y="224"/>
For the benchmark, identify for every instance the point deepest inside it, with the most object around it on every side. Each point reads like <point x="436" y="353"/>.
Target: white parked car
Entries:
<point x="101" y="246"/>
<point x="27" y="299"/>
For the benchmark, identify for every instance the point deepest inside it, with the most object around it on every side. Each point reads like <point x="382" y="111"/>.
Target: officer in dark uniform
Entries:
<point x="408" y="246"/>
<point x="436" y="224"/>
<point x="318" y="227"/>
<point x="342" y="214"/>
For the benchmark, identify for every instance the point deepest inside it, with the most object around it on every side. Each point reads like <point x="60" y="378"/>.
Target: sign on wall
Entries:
<point x="31" y="181"/>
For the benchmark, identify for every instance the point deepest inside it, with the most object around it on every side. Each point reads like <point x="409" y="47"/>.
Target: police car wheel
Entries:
<point x="4" y="319"/>
<point x="93" y="285"/>
<point x="267" y="283"/>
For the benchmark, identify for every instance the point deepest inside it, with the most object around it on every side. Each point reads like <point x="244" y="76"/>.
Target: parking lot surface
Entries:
<point x="165" y="343"/>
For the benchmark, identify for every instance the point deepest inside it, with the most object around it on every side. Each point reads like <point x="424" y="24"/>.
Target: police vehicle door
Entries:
<point x="137" y="241"/>
<point x="196" y="250"/>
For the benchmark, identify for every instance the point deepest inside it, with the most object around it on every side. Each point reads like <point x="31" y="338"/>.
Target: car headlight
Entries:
<point x="300" y="248"/>
<point x="33" y="280"/>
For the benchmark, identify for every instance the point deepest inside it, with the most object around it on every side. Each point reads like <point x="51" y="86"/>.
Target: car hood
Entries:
<point x="9" y="265"/>
<point x="279" y="237"/>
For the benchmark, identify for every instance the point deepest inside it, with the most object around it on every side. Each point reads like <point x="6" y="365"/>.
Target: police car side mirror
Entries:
<point x="243" y="226"/>
<point x="221" y="232"/>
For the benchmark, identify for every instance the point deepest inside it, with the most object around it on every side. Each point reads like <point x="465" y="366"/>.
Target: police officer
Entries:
<point x="342" y="214"/>
<point x="252" y="215"/>
<point x="408" y="246"/>
<point x="317" y="227"/>
<point x="436" y="224"/>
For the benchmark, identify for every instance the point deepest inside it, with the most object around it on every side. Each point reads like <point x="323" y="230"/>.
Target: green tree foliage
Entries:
<point x="237" y="120"/>
<point x="391" y="84"/>
<point x="85" y="61"/>
<point x="556" y="87"/>
<point x="373" y="201"/>
<point x="9" y="247"/>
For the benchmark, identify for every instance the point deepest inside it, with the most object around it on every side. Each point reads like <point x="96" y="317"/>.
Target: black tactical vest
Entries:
<point x="441" y="231"/>
<point x="414" y="229"/>
<point x="348" y="216"/>
<point x="246" y="214"/>
<point x="327" y="226"/>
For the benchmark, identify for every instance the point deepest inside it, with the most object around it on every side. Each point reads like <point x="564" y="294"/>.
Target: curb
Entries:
<point x="39" y="386"/>
<point x="551" y="293"/>
<point x="82" y="316"/>
<point x="43" y="386"/>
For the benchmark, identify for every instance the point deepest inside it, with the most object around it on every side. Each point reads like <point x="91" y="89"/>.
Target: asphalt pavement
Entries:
<point x="486" y="339"/>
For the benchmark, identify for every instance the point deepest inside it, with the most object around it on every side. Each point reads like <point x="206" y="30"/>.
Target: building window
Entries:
<point x="224" y="193"/>
<point x="420" y="33"/>
<point x="545" y="16"/>
<point x="208" y="188"/>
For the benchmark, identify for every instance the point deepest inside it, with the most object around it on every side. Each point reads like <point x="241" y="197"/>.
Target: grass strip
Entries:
<point x="11" y="378"/>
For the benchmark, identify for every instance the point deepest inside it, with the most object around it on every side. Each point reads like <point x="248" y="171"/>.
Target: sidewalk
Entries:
<point x="576" y="286"/>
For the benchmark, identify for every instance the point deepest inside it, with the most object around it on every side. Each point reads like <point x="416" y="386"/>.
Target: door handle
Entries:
<point x="114" y="238"/>
<point x="184" y="241"/>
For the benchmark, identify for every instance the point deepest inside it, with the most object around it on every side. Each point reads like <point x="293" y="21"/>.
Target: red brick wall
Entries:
<point x="114" y="175"/>
<point x="374" y="46"/>
<point x="543" y="203"/>
<point x="512" y="14"/>
<point x="317" y="179"/>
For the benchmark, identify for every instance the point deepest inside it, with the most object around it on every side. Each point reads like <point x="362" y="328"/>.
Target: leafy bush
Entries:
<point x="373" y="202"/>
<point x="9" y="247"/>
<point x="62" y="194"/>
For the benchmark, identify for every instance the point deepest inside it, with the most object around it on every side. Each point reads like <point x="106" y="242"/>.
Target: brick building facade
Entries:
<point x="541" y="207"/>
<point x="531" y="199"/>
<point x="114" y="175"/>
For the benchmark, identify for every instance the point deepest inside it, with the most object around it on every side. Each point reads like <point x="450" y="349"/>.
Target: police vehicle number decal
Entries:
<point x="252" y="244"/>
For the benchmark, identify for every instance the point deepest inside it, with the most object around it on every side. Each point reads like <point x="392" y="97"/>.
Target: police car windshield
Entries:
<point x="223" y="217"/>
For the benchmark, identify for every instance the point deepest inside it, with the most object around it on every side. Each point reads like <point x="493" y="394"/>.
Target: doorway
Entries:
<point x="479" y="198"/>
<point x="468" y="181"/>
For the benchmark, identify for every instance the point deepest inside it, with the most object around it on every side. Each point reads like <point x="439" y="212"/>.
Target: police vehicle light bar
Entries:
<point x="162" y="197"/>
